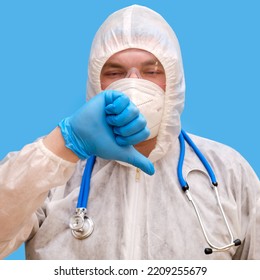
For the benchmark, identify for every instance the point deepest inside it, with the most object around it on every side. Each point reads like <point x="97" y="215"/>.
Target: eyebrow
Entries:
<point x="112" y="65"/>
<point x="151" y="62"/>
<point x="119" y="66"/>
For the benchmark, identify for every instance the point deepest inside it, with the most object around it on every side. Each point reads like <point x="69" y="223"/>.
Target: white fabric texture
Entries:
<point x="25" y="179"/>
<point x="136" y="216"/>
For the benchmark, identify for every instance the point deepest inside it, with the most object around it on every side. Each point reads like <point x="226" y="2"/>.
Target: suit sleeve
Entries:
<point x="25" y="180"/>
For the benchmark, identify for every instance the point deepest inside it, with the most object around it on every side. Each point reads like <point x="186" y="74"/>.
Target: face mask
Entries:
<point x="147" y="96"/>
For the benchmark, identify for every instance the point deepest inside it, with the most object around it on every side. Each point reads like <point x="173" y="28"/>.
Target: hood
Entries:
<point x="141" y="28"/>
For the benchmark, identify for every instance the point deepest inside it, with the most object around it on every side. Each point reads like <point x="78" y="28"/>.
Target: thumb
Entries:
<point x="140" y="161"/>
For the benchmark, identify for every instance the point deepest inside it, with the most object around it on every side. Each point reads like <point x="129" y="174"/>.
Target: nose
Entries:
<point x="133" y="73"/>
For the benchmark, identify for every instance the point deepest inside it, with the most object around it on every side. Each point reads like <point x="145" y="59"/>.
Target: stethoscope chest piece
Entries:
<point x="81" y="225"/>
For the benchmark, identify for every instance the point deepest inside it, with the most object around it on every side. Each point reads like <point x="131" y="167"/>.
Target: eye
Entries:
<point x="114" y="74"/>
<point x="152" y="72"/>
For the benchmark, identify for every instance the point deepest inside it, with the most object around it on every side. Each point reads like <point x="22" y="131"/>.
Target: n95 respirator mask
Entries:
<point x="148" y="98"/>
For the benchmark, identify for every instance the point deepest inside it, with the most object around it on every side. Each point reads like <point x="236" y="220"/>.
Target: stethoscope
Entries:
<point x="185" y="187"/>
<point x="82" y="226"/>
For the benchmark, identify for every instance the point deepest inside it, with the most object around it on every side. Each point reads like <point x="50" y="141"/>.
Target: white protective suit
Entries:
<point x="136" y="216"/>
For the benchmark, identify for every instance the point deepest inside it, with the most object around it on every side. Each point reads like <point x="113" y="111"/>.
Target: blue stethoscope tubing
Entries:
<point x="81" y="225"/>
<point x="185" y="187"/>
<point x="85" y="183"/>
<point x="183" y="137"/>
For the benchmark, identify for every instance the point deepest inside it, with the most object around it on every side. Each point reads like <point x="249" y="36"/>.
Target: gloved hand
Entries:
<point x="128" y="124"/>
<point x="87" y="132"/>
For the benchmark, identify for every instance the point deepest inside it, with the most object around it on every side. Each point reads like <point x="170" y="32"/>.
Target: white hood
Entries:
<point x="142" y="28"/>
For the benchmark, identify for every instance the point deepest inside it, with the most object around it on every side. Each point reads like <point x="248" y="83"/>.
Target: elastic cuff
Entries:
<point x="71" y="142"/>
<point x="53" y="156"/>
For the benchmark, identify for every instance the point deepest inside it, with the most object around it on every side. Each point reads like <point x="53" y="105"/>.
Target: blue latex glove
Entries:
<point x="127" y="122"/>
<point x="87" y="132"/>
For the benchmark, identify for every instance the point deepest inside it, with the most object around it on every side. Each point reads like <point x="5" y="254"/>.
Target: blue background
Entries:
<point x="44" y="48"/>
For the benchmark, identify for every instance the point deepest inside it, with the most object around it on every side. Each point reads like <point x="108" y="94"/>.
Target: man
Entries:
<point x="135" y="55"/>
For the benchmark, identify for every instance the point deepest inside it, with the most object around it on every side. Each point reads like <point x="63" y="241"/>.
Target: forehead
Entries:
<point x="131" y="58"/>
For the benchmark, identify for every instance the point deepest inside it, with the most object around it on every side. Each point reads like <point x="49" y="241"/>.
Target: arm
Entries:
<point x="25" y="179"/>
<point x="55" y="143"/>
<point x="249" y="212"/>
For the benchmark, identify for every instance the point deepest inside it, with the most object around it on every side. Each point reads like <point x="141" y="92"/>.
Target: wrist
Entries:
<point x="55" y="143"/>
<point x="71" y="140"/>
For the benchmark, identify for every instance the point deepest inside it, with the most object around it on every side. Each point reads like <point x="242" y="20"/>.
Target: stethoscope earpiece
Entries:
<point x="237" y="242"/>
<point x="208" y="251"/>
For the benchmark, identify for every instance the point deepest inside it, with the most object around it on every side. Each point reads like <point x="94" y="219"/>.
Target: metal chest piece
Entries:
<point x="81" y="225"/>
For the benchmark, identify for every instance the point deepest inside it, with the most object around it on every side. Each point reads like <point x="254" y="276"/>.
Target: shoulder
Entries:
<point x="209" y="142"/>
<point x="214" y="147"/>
<point x="220" y="154"/>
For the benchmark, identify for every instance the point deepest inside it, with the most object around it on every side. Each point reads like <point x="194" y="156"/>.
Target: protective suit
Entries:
<point x="136" y="216"/>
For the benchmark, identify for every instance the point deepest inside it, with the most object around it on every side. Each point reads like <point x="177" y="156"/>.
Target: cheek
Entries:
<point x="103" y="84"/>
<point x="162" y="85"/>
<point x="161" y="82"/>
